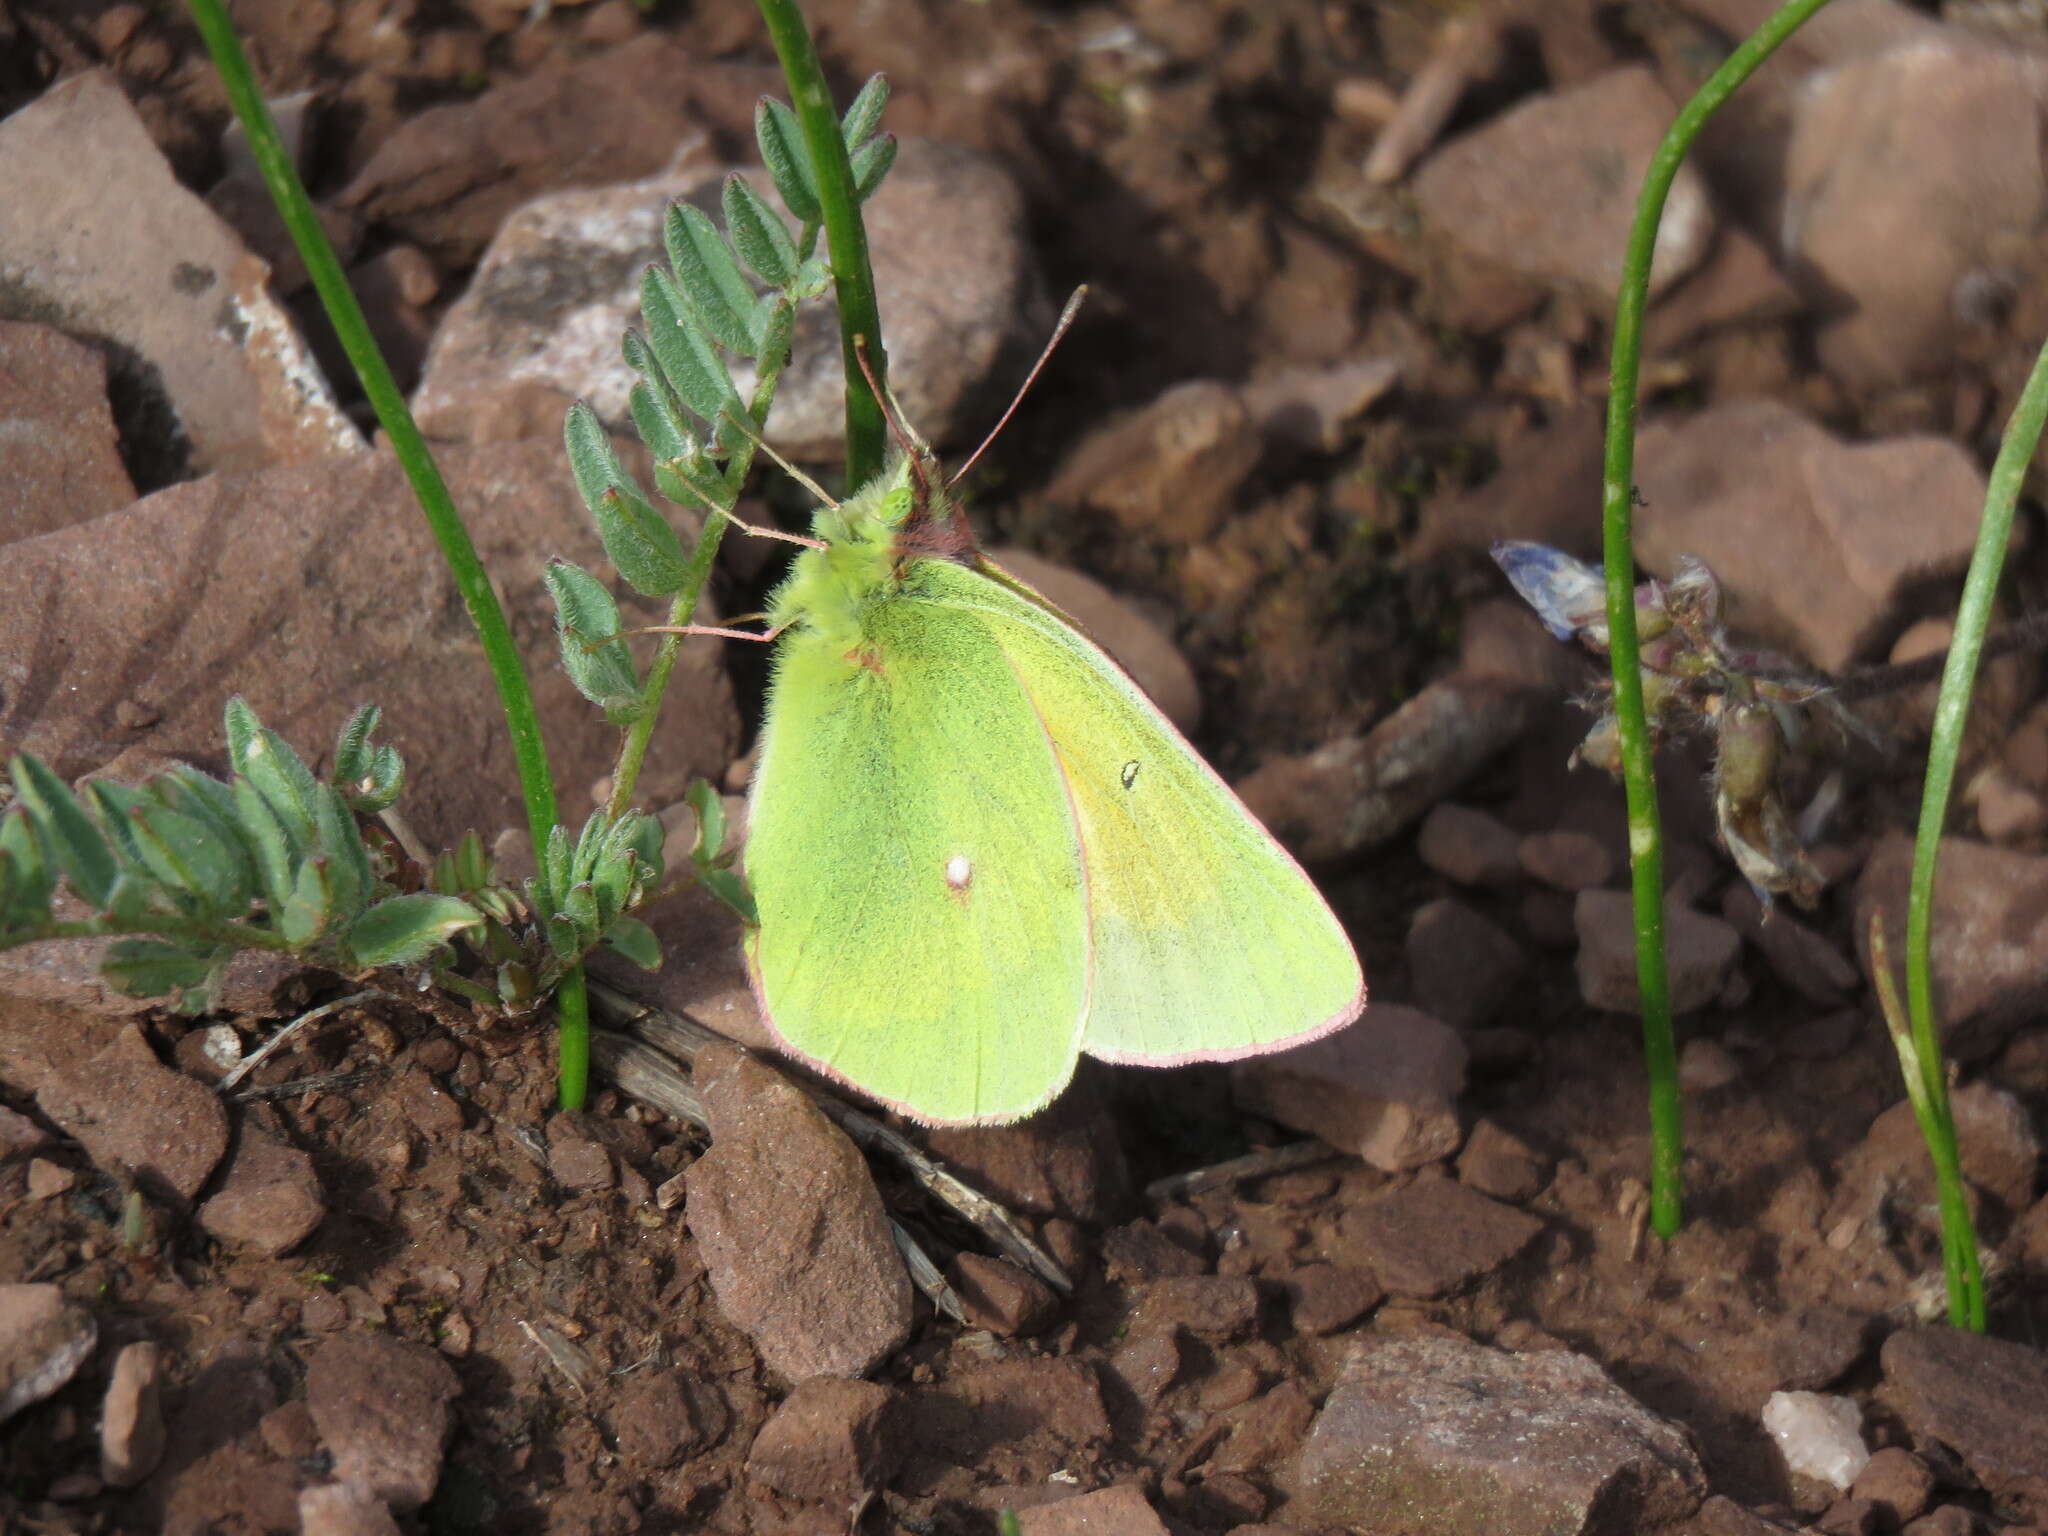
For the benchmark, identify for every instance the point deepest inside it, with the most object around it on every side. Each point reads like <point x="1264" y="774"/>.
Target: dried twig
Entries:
<point x="1253" y="1165"/>
<point x="256" y="1058"/>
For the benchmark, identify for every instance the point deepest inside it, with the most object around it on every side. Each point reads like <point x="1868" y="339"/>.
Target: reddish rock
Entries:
<point x="1441" y="1434"/>
<point x="1432" y="1236"/>
<point x="1899" y="1483"/>
<point x="1801" y="958"/>
<point x="132" y="257"/>
<point x="830" y="1441"/>
<point x="132" y="1417"/>
<point x="1146" y="1364"/>
<point x="1699" y="953"/>
<point x="1384" y="1089"/>
<point x="1065" y="1161"/>
<point x="1548" y="188"/>
<point x="383" y="1409"/>
<point x="43" y="1340"/>
<point x="59" y="453"/>
<point x="1984" y="1398"/>
<point x="1468" y="846"/>
<point x="135" y="1116"/>
<point x="577" y="1163"/>
<point x="270" y="1201"/>
<point x="1141" y="1251"/>
<point x="1001" y="1297"/>
<point x="661" y="1416"/>
<point x="1989" y="953"/>
<point x="1053" y="1404"/>
<point x="1322" y="1298"/>
<point x="19" y="1135"/>
<point x="791" y="1228"/>
<point x="1265" y="1430"/>
<point x="1212" y="1307"/>
<point x="1118" y="1511"/>
<point x="344" y="1509"/>
<point x="1498" y="1163"/>
<point x="1462" y="966"/>
<point x="1172" y="470"/>
<point x="1565" y="860"/>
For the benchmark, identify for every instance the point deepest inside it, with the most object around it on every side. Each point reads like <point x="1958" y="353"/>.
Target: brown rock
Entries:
<point x="1146" y="1364"/>
<point x="791" y="1228"/>
<point x="1065" y="1161"/>
<point x="1359" y="792"/>
<point x="577" y="1163"/>
<point x="1211" y="1307"/>
<point x="1141" y="1251"/>
<point x="1985" y="1398"/>
<point x="1171" y="470"/>
<point x="59" y="454"/>
<point x="134" y="258"/>
<point x="541" y="320"/>
<point x="1118" y="1511"/>
<point x="830" y="1441"/>
<point x="132" y="1417"/>
<point x="1565" y="860"/>
<point x="663" y="1416"/>
<point x="1763" y="496"/>
<point x="382" y="1406"/>
<point x="43" y="1340"/>
<point x="1498" y="1163"/>
<point x="1048" y="1404"/>
<point x="1738" y="284"/>
<point x="452" y="175"/>
<point x="1265" y="1430"/>
<point x="1897" y="1481"/>
<point x="1548" y="188"/>
<point x="344" y="1509"/>
<point x="1469" y="846"/>
<point x="136" y="1116"/>
<point x="1462" y="965"/>
<point x="1889" y="233"/>
<point x="1441" y="1434"/>
<point x="19" y="1135"/>
<point x="1432" y="1236"/>
<point x="1384" y="1089"/>
<point x="270" y="1201"/>
<point x="1802" y="959"/>
<point x="1699" y="953"/>
<point x="999" y="1296"/>
<point x="1989" y="954"/>
<point x="1323" y="1298"/>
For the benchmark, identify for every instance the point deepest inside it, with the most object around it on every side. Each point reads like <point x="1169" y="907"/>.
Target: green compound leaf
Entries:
<point x="311" y="908"/>
<point x="639" y="539"/>
<point x="401" y="929"/>
<point x="684" y="350"/>
<point x="636" y="942"/>
<point x="658" y="421"/>
<point x="585" y="615"/>
<point x="195" y="856"/>
<point x="871" y="162"/>
<point x="864" y="112"/>
<point x="717" y="292"/>
<point x="154" y="967"/>
<point x="788" y="158"/>
<point x="269" y="848"/>
<point x="758" y="231"/>
<point x="26" y="878"/>
<point x="75" y="844"/>
<point x="352" y="747"/>
<point x="342" y="841"/>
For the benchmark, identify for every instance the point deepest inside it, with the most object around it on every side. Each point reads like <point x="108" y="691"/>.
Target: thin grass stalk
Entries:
<point x="1646" y="850"/>
<point x="1944" y="750"/>
<point x="846" y="237"/>
<point x="536" y="781"/>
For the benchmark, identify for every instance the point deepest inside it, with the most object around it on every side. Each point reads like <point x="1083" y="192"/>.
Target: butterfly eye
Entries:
<point x="959" y="872"/>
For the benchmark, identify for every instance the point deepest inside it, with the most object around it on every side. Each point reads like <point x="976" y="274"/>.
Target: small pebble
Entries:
<point x="1819" y="1436"/>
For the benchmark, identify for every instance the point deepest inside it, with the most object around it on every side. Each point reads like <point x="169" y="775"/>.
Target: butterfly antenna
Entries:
<point x="1066" y="322"/>
<point x="745" y="429"/>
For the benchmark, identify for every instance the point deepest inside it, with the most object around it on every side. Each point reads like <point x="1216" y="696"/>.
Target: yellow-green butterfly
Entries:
<point x="978" y="851"/>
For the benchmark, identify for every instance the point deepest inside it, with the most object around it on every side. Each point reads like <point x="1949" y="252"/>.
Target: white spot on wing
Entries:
<point x="959" y="872"/>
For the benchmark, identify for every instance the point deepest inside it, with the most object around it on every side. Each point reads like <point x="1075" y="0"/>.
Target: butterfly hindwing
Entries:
<point x="917" y="868"/>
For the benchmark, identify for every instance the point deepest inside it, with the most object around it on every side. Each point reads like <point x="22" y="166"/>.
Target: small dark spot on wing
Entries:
<point x="1130" y="773"/>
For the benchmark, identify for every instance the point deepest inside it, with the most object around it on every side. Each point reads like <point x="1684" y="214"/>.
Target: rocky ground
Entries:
<point x="1351" y="268"/>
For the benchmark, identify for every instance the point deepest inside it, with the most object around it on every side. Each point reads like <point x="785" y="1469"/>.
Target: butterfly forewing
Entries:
<point x="917" y="870"/>
<point x="1207" y="941"/>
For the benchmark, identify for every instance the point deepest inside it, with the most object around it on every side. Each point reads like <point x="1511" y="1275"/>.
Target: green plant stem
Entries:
<point x="536" y="782"/>
<point x="1951" y="712"/>
<point x="846" y="237"/>
<point x="633" y="751"/>
<point x="1646" y="855"/>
